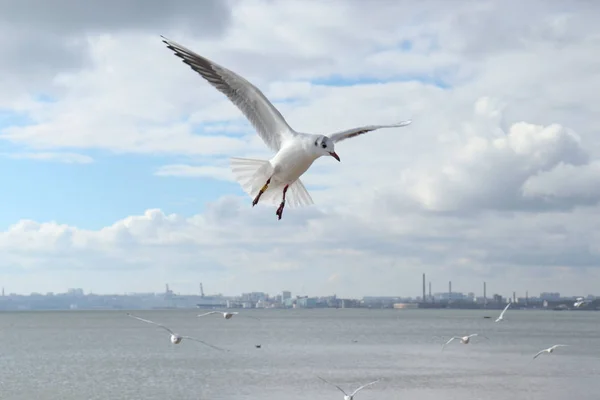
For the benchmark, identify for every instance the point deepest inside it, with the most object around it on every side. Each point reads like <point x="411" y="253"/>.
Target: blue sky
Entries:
<point x="93" y="195"/>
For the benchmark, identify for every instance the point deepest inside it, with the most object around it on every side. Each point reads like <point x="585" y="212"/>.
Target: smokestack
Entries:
<point x="449" y="290"/>
<point x="423" y="299"/>
<point x="514" y="297"/>
<point x="484" y="294"/>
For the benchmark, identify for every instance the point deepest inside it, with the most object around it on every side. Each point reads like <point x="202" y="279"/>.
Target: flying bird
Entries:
<point x="175" y="338"/>
<point x="501" y="317"/>
<point x="549" y="350"/>
<point x="226" y="314"/>
<point x="346" y="395"/>
<point x="463" y="339"/>
<point x="269" y="180"/>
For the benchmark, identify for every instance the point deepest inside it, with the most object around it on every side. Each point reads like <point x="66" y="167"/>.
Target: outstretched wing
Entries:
<point x="503" y="311"/>
<point x="540" y="352"/>
<point x="451" y="339"/>
<point x="559" y="345"/>
<point x="151" y="322"/>
<point x="264" y="117"/>
<point x="329" y="383"/>
<point x="203" y="342"/>
<point x="209" y="313"/>
<point x="364" y="386"/>
<point x="350" y="133"/>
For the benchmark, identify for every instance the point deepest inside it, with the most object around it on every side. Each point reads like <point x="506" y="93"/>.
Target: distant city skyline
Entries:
<point x="167" y="287"/>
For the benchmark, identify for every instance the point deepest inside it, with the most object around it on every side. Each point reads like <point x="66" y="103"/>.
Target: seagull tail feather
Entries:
<point x="252" y="174"/>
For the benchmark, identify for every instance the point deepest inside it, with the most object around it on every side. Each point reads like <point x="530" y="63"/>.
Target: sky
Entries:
<point x="115" y="154"/>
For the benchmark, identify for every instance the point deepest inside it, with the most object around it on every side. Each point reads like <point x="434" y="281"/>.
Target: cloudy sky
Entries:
<point x="115" y="154"/>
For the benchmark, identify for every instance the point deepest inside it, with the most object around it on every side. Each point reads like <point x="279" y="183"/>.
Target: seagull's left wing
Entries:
<point x="451" y="339"/>
<point x="208" y="313"/>
<point x="503" y="311"/>
<point x="350" y="133"/>
<point x="539" y="352"/>
<point x="203" y="342"/>
<point x="364" y="386"/>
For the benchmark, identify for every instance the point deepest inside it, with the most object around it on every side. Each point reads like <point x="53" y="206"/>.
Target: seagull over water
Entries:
<point x="346" y="395"/>
<point x="549" y="350"/>
<point x="175" y="338"/>
<point x="501" y="317"/>
<point x="270" y="180"/>
<point x="226" y="314"/>
<point x="463" y="339"/>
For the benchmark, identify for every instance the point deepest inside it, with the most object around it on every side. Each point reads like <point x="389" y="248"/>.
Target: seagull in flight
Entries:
<point x="226" y="314"/>
<point x="501" y="317"/>
<point x="270" y="180"/>
<point x="549" y="350"/>
<point x="175" y="338"/>
<point x="463" y="339"/>
<point x="346" y="395"/>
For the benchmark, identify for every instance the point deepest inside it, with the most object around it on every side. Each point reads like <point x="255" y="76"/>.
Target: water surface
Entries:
<point x="76" y="355"/>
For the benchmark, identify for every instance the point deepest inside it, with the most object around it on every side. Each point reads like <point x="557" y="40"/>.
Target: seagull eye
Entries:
<point x="323" y="145"/>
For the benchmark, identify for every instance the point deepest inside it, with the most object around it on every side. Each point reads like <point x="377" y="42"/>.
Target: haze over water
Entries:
<point x="79" y="355"/>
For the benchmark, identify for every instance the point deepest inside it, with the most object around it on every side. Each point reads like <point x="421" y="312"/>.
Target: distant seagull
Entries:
<point x="580" y="302"/>
<point x="346" y="395"/>
<point x="463" y="339"/>
<point x="226" y="314"/>
<point x="549" y="350"/>
<point x="501" y="317"/>
<point x="258" y="346"/>
<point x="175" y="338"/>
<point x="296" y="151"/>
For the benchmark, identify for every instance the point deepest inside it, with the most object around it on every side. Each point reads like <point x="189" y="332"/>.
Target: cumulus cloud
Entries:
<point x="497" y="175"/>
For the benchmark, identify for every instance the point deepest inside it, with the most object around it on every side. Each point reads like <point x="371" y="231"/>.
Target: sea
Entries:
<point x="79" y="355"/>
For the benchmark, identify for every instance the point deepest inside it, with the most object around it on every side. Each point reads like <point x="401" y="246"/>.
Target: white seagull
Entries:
<point x="346" y="395"/>
<point x="501" y="317"/>
<point x="296" y="151"/>
<point x="226" y="314"/>
<point x="549" y="350"/>
<point x="175" y="338"/>
<point x="463" y="339"/>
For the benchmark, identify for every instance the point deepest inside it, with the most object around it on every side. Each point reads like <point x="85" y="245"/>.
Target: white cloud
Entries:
<point x="194" y="171"/>
<point x="67" y="158"/>
<point x="497" y="175"/>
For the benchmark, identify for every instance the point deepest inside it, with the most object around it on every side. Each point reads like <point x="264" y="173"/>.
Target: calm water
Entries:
<point x="105" y="355"/>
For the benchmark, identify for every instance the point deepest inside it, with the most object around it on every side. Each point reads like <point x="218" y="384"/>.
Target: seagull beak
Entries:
<point x="334" y="155"/>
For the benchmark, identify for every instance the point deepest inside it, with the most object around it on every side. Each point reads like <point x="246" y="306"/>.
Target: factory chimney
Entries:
<point x="484" y="295"/>
<point x="423" y="299"/>
<point x="430" y="298"/>
<point x="449" y="290"/>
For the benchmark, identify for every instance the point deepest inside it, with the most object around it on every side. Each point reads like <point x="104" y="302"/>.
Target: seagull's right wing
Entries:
<point x="266" y="119"/>
<point x="350" y="133"/>
<point x="208" y="313"/>
<point x="151" y="322"/>
<point x="364" y="386"/>
<point x="329" y="383"/>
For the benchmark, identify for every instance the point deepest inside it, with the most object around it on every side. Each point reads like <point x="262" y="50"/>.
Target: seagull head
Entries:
<point x="324" y="147"/>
